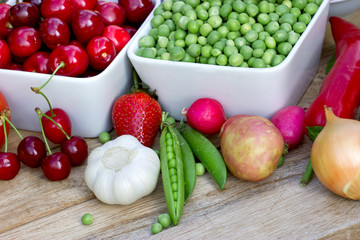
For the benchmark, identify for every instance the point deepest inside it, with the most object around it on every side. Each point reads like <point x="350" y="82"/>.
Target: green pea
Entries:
<point x="202" y="60"/>
<point x="167" y="4"/>
<point x="272" y="27"/>
<point x="232" y="35"/>
<point x="311" y="8"/>
<point x="263" y="18"/>
<point x="214" y="11"/>
<point x="286" y="26"/>
<point x="170" y="24"/>
<point x="230" y="42"/>
<point x="257" y="27"/>
<point x="177" y="53"/>
<point x="222" y="60"/>
<point x="174" y="187"/>
<point x="305" y="18"/>
<point x="215" y="52"/>
<point x="147" y="41"/>
<point x="159" y="10"/>
<point x="251" y="36"/>
<point x="200" y="169"/>
<point x="239" y="6"/>
<point x="295" y="11"/>
<point x="264" y="7"/>
<point x="233" y="15"/>
<point x="180" y="34"/>
<point x="180" y="43"/>
<point x="215" y="21"/>
<point x="281" y="9"/>
<point x="284" y="48"/>
<point x="104" y="137"/>
<point x="252" y="10"/>
<point x="205" y="29"/>
<point x="219" y="45"/>
<point x="191" y="14"/>
<point x="206" y="51"/>
<point x="299" y="27"/>
<point x="193" y="27"/>
<point x="243" y="18"/>
<point x="223" y="30"/>
<point x="270" y="42"/>
<point x="156" y="228"/>
<point x="167" y="15"/>
<point x="172" y="171"/>
<point x="258" y="63"/>
<point x="149" y="52"/>
<point x="267" y="57"/>
<point x="163" y="30"/>
<point x="202" y="40"/>
<point x="259" y="44"/>
<point x="274" y="17"/>
<point x="157" y="20"/>
<point x="177" y="6"/>
<point x="233" y="25"/>
<point x="216" y="3"/>
<point x="173" y="179"/>
<point x="225" y="10"/>
<point x="183" y="22"/>
<point x="213" y="37"/>
<point x="176" y="17"/>
<point x="281" y="36"/>
<point x="170" y="149"/>
<point x="165" y="56"/>
<point x="300" y="4"/>
<point x="164" y="219"/>
<point x="211" y="60"/>
<point x="230" y="50"/>
<point x="244" y="65"/>
<point x="140" y="51"/>
<point x="288" y="18"/>
<point x="87" y="219"/>
<point x="293" y="37"/>
<point x="288" y="3"/>
<point x="246" y="52"/>
<point x="263" y="35"/>
<point x="191" y="39"/>
<point x="245" y="28"/>
<point x="202" y="14"/>
<point x="193" y="3"/>
<point x="277" y="59"/>
<point x="194" y="50"/>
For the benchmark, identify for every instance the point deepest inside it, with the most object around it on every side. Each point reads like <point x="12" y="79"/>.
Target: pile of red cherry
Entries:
<point x="86" y="35"/>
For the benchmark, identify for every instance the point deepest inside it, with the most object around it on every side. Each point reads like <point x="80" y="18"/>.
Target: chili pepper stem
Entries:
<point x="39" y="113"/>
<point x="307" y="174"/>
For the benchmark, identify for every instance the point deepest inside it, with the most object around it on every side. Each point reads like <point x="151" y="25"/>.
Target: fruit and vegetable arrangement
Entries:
<point x="126" y="168"/>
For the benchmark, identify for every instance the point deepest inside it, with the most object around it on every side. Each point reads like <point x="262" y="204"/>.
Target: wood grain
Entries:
<point x="279" y="207"/>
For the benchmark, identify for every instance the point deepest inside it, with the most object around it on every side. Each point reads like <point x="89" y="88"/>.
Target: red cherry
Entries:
<point x="9" y="165"/>
<point x="76" y="149"/>
<point x="118" y="35"/>
<point x="87" y="24"/>
<point x="5" y="55"/>
<point x="85" y="4"/>
<point x="54" y="32"/>
<point x="5" y="25"/>
<point x="52" y="132"/>
<point x="56" y="166"/>
<point x="24" y="14"/>
<point x="75" y="59"/>
<point x="15" y="66"/>
<point x="77" y="43"/>
<point x="63" y="9"/>
<point x="24" y="41"/>
<point x="31" y="151"/>
<point x="37" y="62"/>
<point x="101" y="52"/>
<point x="112" y="13"/>
<point x="131" y="30"/>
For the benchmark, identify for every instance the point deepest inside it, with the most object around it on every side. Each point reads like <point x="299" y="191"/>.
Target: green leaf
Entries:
<point x="313" y="132"/>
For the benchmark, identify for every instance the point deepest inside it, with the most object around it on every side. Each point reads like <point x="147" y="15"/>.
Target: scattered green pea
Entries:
<point x="87" y="219"/>
<point x="104" y="137"/>
<point x="200" y="169"/>
<point x="156" y="228"/>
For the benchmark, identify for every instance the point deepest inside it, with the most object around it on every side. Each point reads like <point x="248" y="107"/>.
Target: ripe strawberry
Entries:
<point x="137" y="114"/>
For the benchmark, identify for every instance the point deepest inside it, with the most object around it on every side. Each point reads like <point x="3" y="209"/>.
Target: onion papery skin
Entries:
<point x="335" y="156"/>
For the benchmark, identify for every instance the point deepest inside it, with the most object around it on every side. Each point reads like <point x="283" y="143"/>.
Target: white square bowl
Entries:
<point x="341" y="8"/>
<point x="240" y="90"/>
<point x="88" y="101"/>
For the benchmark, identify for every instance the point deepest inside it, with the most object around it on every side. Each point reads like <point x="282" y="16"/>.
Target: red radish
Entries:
<point x="290" y="121"/>
<point x="205" y="115"/>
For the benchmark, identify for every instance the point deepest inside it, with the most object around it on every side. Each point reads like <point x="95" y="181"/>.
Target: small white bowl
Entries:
<point x="239" y="90"/>
<point x="88" y="101"/>
<point x="342" y="8"/>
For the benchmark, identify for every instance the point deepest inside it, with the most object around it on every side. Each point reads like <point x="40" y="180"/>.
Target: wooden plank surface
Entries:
<point x="32" y="207"/>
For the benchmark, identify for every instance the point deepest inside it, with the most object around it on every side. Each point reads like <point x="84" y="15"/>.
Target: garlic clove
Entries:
<point x="352" y="188"/>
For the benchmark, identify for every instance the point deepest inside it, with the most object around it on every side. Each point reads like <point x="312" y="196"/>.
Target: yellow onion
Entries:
<point x="335" y="155"/>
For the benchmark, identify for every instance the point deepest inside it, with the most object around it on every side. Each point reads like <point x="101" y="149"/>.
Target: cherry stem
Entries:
<point x="37" y="90"/>
<point x="12" y="125"/>
<point x="39" y="113"/>
<point x="5" y="133"/>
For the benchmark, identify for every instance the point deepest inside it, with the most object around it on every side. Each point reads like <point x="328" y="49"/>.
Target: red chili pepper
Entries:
<point x="340" y="89"/>
<point x="137" y="10"/>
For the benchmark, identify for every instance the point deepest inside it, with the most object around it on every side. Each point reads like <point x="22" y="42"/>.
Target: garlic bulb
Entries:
<point x="122" y="171"/>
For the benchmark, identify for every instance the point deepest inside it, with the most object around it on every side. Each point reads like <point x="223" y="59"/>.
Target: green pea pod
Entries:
<point x="172" y="173"/>
<point x="189" y="165"/>
<point x="207" y="153"/>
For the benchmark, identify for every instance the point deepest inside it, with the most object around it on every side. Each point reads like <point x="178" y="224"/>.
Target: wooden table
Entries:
<point x="32" y="207"/>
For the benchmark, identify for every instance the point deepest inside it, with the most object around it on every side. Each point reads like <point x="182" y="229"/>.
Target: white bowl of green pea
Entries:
<point x="253" y="56"/>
